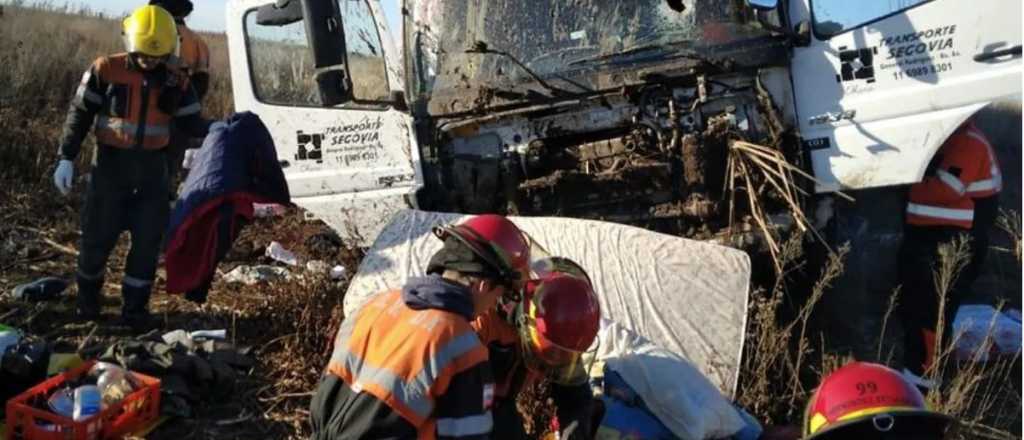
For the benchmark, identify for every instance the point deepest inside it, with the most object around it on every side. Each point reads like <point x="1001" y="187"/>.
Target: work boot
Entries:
<point x="134" y="311"/>
<point x="87" y="302"/>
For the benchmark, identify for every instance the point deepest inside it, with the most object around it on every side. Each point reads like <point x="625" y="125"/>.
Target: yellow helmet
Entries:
<point x="150" y="30"/>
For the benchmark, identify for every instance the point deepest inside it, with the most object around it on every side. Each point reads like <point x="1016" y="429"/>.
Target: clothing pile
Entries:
<point x="190" y="371"/>
<point x="236" y="167"/>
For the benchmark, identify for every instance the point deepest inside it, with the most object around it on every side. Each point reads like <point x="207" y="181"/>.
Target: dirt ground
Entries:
<point x="38" y="237"/>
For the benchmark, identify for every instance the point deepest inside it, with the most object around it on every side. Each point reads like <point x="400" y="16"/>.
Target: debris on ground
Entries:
<point x="250" y="275"/>
<point x="319" y="267"/>
<point x="190" y="371"/>
<point x="8" y="337"/>
<point x="277" y="252"/>
<point x="981" y="330"/>
<point x="43" y="289"/>
<point x="264" y="210"/>
<point x="338" y="272"/>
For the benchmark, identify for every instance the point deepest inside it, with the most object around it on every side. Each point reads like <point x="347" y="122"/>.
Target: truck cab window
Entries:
<point x="281" y="63"/>
<point x="365" y="54"/>
<point x="832" y="17"/>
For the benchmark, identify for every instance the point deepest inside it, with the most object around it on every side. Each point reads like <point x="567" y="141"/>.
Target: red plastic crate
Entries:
<point x="26" y="422"/>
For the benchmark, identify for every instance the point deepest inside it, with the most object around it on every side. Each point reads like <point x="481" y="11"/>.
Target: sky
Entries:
<point x="209" y="14"/>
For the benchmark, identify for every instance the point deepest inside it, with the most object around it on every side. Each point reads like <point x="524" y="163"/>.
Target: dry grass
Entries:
<point x="43" y="52"/>
<point x="783" y="361"/>
<point x="1009" y="222"/>
<point x="775" y="359"/>
<point x="44" y="49"/>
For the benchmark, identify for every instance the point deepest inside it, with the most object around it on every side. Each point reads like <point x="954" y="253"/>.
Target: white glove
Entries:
<point x="64" y="176"/>
<point x="190" y="156"/>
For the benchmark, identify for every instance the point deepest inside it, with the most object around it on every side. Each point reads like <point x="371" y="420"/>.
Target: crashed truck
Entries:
<point x="631" y="112"/>
<point x="626" y="111"/>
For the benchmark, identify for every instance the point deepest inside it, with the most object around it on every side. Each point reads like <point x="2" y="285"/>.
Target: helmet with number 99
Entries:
<point x="870" y="401"/>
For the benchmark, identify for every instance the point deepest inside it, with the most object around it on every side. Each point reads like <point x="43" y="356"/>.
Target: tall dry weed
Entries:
<point x="776" y="351"/>
<point x="978" y="393"/>
<point x="781" y="368"/>
<point x="1009" y="221"/>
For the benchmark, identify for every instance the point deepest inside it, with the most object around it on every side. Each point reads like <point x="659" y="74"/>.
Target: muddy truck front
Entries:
<point x="623" y="111"/>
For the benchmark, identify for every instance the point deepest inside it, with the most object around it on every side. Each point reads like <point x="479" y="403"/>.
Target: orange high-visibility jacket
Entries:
<point x="967" y="170"/>
<point x="194" y="54"/>
<point x="407" y="359"/>
<point x="132" y="107"/>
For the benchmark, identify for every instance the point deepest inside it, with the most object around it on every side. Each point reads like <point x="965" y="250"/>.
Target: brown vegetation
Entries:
<point x="43" y="52"/>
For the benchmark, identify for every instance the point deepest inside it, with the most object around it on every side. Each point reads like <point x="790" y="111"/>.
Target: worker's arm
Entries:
<point x="574" y="404"/>
<point x="187" y="116"/>
<point x="464" y="410"/>
<point x="201" y="82"/>
<point x="948" y="180"/>
<point x="86" y="103"/>
<point x="201" y="71"/>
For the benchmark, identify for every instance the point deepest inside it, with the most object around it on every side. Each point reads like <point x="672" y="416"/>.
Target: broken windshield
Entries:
<point x="575" y="45"/>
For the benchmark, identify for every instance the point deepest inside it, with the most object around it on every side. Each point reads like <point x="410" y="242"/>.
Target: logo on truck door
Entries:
<point x="310" y="146"/>
<point x="857" y="64"/>
<point x="354" y="144"/>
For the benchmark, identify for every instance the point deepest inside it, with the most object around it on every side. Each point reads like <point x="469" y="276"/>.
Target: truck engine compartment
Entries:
<point x="653" y="155"/>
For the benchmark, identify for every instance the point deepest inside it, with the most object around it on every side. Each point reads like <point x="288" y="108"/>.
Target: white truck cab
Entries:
<point x="605" y="108"/>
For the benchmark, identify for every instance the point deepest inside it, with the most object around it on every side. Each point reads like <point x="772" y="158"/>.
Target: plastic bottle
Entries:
<point x="62" y="402"/>
<point x="87" y="402"/>
<point x="114" y="386"/>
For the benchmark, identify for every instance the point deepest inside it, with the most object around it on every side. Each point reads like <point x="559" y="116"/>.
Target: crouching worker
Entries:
<point x="542" y="335"/>
<point x="132" y="97"/>
<point x="408" y="364"/>
<point x="866" y="401"/>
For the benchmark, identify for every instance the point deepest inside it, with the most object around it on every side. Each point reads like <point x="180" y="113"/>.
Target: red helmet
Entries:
<point x="496" y="240"/>
<point x="865" y="400"/>
<point x="557" y="321"/>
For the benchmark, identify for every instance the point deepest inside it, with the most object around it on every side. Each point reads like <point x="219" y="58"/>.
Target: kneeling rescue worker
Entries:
<point x="132" y="98"/>
<point x="408" y="364"/>
<point x="541" y="335"/>
<point x="866" y="401"/>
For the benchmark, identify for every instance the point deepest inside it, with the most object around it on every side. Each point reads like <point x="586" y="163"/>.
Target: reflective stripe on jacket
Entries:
<point x="967" y="169"/>
<point x="991" y="181"/>
<point x="408" y="358"/>
<point x="134" y="108"/>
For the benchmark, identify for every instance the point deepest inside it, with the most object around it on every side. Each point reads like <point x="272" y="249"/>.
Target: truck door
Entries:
<point x="884" y="82"/>
<point x="346" y="150"/>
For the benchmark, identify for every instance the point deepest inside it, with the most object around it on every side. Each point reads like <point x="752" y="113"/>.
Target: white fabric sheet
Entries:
<point x="675" y="392"/>
<point x="686" y="296"/>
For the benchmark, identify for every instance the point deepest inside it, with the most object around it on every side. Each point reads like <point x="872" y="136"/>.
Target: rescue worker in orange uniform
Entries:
<point x="541" y="335"/>
<point x="132" y="98"/>
<point x="194" y="61"/>
<point x="958" y="196"/>
<point x="866" y="401"/>
<point x="408" y="364"/>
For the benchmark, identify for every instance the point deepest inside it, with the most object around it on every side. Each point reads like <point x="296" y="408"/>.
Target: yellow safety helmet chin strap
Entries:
<point x="150" y="30"/>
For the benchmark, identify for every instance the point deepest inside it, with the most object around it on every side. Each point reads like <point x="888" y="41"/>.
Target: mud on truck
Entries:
<point x="694" y="117"/>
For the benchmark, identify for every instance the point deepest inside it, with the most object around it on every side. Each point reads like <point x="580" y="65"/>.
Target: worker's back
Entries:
<point x="407" y="359"/>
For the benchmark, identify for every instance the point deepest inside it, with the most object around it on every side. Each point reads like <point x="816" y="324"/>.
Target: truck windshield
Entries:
<point x="571" y="46"/>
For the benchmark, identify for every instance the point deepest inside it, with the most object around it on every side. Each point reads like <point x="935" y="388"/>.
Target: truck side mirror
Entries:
<point x="279" y="13"/>
<point x="763" y="5"/>
<point x="327" y="39"/>
<point x="398" y="101"/>
<point x="335" y="85"/>
<point x="802" y="34"/>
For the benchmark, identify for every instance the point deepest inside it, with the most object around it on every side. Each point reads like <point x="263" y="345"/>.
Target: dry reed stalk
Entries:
<point x="751" y="162"/>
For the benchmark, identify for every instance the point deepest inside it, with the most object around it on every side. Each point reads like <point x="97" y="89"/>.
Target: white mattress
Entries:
<point x="686" y="296"/>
